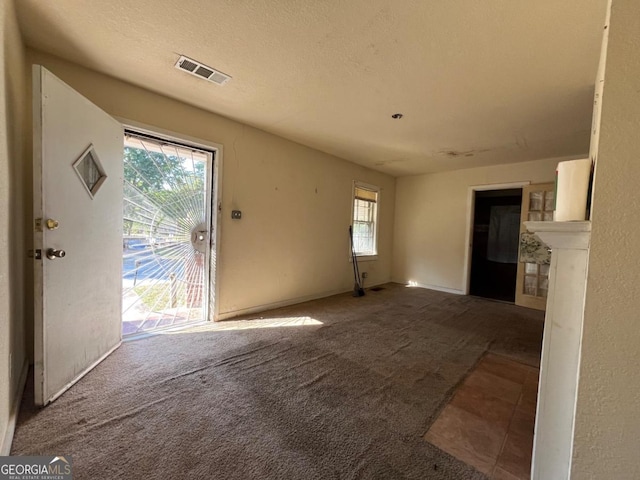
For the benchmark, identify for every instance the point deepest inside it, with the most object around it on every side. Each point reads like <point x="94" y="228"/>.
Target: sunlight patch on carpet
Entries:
<point x="227" y="325"/>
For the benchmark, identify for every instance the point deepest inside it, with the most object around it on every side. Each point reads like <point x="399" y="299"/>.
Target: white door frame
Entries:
<point x="471" y="206"/>
<point x="216" y="203"/>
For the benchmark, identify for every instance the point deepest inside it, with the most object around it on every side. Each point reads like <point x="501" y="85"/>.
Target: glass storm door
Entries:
<point x="166" y="234"/>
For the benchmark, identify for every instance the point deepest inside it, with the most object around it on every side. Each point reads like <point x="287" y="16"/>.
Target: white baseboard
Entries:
<point x="442" y="289"/>
<point x="371" y="285"/>
<point x="286" y="303"/>
<point x="7" y="439"/>
<point x="282" y="303"/>
<point x="438" y="288"/>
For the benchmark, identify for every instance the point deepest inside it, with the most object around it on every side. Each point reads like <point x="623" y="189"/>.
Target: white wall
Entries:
<point x="292" y="242"/>
<point x="14" y="206"/>
<point x="607" y="429"/>
<point x="431" y="220"/>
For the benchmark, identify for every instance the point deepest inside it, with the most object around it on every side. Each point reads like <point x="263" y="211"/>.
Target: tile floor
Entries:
<point x="489" y="421"/>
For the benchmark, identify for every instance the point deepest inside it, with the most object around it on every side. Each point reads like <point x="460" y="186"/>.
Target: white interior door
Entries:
<point x="78" y="234"/>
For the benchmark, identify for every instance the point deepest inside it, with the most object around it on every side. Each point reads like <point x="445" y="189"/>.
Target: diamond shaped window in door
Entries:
<point x="90" y="171"/>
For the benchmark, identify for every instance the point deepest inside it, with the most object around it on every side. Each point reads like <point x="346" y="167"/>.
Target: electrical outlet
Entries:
<point x="236" y="214"/>
<point x="365" y="274"/>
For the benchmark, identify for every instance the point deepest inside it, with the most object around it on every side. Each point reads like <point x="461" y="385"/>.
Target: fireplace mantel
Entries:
<point x="574" y="235"/>
<point x="560" y="362"/>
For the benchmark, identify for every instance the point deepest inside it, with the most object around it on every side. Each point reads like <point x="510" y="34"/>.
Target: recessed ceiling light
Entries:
<point x="397" y="116"/>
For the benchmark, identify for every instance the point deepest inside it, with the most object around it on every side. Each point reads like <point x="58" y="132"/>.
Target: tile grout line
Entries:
<point x="513" y="360"/>
<point x="504" y="440"/>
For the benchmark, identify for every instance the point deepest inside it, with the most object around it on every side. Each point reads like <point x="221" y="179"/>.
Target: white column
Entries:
<point x="560" y="363"/>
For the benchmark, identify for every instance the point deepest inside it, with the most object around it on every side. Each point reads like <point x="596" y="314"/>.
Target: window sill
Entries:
<point x="365" y="258"/>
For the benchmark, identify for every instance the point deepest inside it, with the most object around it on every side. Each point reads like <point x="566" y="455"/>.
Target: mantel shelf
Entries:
<point x="566" y="227"/>
<point x="569" y="235"/>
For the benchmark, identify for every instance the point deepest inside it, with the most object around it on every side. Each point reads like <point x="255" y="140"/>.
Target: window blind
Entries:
<point x="366" y="195"/>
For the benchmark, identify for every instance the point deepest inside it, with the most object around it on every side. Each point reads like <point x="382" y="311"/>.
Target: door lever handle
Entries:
<point x="53" y="253"/>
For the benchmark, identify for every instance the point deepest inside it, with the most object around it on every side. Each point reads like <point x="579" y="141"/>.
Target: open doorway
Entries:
<point x="167" y="233"/>
<point x="494" y="255"/>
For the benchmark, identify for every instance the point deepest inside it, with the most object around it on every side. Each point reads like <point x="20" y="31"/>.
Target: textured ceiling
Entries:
<point x="478" y="82"/>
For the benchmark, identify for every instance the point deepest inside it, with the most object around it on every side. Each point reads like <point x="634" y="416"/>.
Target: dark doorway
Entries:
<point x="494" y="260"/>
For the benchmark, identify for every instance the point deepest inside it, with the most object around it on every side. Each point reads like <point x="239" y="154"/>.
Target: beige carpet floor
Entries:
<point x="338" y="388"/>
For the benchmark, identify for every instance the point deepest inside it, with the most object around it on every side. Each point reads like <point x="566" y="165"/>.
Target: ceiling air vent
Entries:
<point x="203" y="71"/>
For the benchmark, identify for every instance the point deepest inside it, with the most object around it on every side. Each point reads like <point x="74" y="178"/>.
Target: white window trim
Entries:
<point x="373" y="188"/>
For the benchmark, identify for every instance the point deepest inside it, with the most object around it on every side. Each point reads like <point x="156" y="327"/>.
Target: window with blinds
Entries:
<point x="365" y="219"/>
